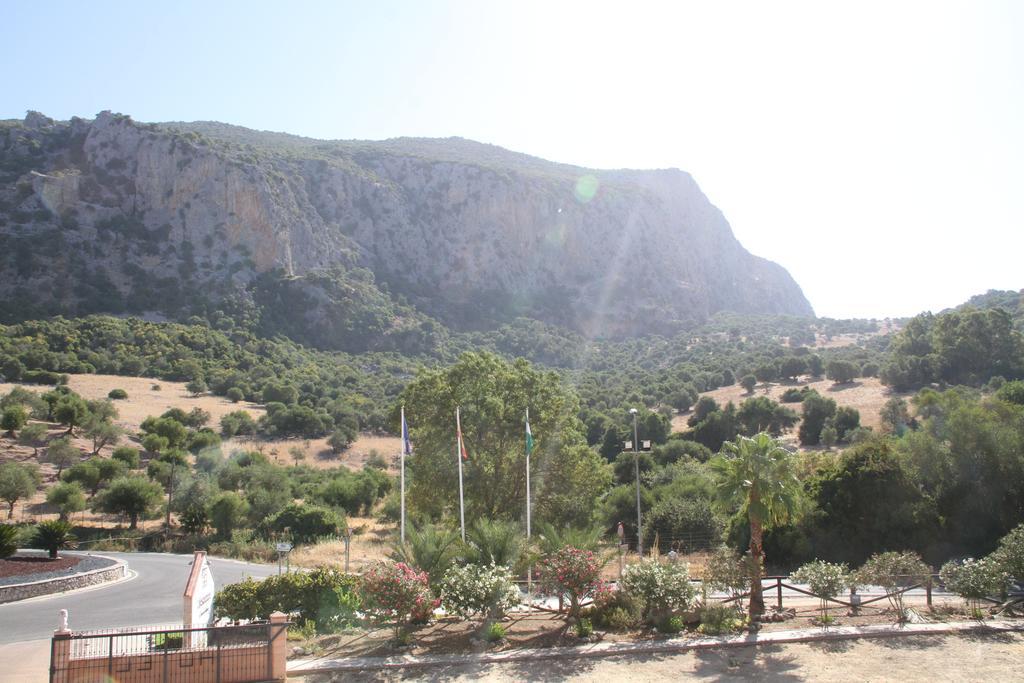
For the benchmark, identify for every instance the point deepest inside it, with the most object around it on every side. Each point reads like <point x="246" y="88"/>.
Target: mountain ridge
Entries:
<point x="382" y="235"/>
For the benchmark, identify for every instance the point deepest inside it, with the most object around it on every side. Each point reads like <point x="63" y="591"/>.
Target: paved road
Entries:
<point x="152" y="596"/>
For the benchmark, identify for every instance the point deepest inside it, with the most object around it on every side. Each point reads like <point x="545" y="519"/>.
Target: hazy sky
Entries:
<point x="876" y="150"/>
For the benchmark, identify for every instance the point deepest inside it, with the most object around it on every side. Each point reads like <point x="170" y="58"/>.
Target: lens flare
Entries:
<point x="586" y="188"/>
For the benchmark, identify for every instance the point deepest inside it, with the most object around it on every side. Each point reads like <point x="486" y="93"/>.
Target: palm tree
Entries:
<point x="54" y="536"/>
<point x="431" y="548"/>
<point x="757" y="475"/>
<point x="495" y="542"/>
<point x="553" y="538"/>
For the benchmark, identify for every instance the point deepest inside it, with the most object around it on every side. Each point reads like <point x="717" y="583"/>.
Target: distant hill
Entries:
<point x="1010" y="301"/>
<point x="358" y="245"/>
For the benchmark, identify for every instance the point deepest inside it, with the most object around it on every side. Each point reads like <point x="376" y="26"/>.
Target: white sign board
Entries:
<point x="199" y="593"/>
<point x="284" y="547"/>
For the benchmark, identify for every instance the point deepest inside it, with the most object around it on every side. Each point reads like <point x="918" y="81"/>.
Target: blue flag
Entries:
<point x="406" y="444"/>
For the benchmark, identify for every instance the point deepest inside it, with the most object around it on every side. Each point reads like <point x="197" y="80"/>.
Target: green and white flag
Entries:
<point x="529" y="434"/>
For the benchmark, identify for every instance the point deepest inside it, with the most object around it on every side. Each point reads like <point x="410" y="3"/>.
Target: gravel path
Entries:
<point x="60" y="568"/>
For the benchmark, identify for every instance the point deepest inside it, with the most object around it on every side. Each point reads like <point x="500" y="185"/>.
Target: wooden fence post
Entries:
<point x="778" y="592"/>
<point x="928" y="591"/>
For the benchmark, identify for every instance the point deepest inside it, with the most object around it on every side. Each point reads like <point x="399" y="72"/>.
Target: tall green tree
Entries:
<point x="816" y="410"/>
<point x="61" y="453"/>
<point x="133" y="496"/>
<point x="71" y="410"/>
<point x="17" y="482"/>
<point x="13" y="418"/>
<point x="757" y="476"/>
<point x="67" y="497"/>
<point x="32" y="435"/>
<point x="493" y="395"/>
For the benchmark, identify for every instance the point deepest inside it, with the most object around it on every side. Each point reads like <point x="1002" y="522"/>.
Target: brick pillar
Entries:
<point x="279" y="646"/>
<point x="60" y="656"/>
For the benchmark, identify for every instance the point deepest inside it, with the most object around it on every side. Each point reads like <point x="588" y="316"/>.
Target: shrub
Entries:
<point x="494" y="542"/>
<point x="584" y="628"/>
<point x="128" y="455"/>
<point x="392" y="591"/>
<point x="718" y="619"/>
<point x="825" y="579"/>
<point x="618" y="619"/>
<point x="1010" y="553"/>
<point x="672" y="624"/>
<point x="728" y="572"/>
<point x="479" y="589"/>
<point x="234" y="394"/>
<point x="305" y="523"/>
<point x="793" y="395"/>
<point x="894" y="571"/>
<point x="662" y="589"/>
<point x="573" y="573"/>
<point x="974" y="580"/>
<point x="8" y="540"/>
<point x="13" y="418"/>
<point x="615" y="610"/>
<point x="117" y="394"/>
<point x="430" y="548"/>
<point x="53" y="536"/>
<point x="325" y="596"/>
<point x="494" y="633"/>
<point x="238" y="423"/>
<point x="67" y="497"/>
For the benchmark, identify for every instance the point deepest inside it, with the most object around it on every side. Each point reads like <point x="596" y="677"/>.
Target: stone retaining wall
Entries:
<point x="22" y="591"/>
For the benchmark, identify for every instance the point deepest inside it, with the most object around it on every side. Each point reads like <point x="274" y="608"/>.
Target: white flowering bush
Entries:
<point x="1010" y="554"/>
<point x="661" y="588"/>
<point x="825" y="579"/>
<point x="974" y="580"/>
<point x="479" y="589"/>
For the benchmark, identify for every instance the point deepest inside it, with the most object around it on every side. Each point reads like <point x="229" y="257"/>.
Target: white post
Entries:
<point x="402" y="484"/>
<point x="636" y="464"/>
<point x="529" y="575"/>
<point x="458" y="458"/>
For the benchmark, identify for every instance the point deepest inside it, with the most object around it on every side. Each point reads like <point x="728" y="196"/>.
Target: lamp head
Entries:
<point x="633" y="411"/>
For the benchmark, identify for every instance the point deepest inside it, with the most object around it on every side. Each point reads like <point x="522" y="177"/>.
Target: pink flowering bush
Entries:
<point x="572" y="573"/>
<point x="396" y="592"/>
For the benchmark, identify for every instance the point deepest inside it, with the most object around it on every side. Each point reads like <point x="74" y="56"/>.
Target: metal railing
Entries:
<point x="219" y="654"/>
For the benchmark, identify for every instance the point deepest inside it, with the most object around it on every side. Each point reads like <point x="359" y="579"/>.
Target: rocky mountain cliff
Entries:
<point x="349" y="239"/>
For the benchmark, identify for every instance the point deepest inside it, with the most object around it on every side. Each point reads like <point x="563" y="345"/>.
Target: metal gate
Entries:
<point x="224" y="654"/>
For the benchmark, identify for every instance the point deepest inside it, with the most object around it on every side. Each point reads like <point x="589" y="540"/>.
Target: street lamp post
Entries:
<point x="636" y="465"/>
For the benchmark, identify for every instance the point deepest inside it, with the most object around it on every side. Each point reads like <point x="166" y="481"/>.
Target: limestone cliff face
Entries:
<point x="146" y="214"/>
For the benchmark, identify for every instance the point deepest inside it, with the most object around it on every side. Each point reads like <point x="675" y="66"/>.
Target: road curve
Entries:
<point x="152" y="596"/>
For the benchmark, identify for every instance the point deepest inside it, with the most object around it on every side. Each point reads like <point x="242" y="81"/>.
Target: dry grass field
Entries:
<point x="866" y="394"/>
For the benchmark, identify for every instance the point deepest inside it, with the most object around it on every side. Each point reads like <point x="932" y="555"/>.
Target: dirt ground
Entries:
<point x="967" y="657"/>
<point x="866" y="394"/>
<point x="541" y="629"/>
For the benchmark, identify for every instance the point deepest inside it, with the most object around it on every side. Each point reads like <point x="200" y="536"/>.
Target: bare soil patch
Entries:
<point x="962" y="657"/>
<point x="144" y="401"/>
<point x="541" y="629"/>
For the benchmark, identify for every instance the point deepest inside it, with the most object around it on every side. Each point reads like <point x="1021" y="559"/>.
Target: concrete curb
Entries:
<point x="62" y="584"/>
<point x="313" y="666"/>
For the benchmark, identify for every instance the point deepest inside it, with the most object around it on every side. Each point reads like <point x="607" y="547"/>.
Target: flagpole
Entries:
<point x="402" y="523"/>
<point x="529" y="570"/>
<point x="458" y="458"/>
<point x="528" y="477"/>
